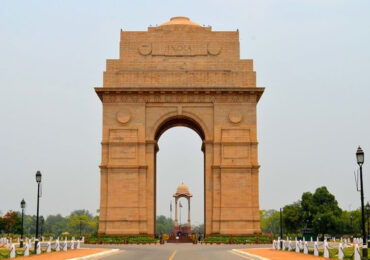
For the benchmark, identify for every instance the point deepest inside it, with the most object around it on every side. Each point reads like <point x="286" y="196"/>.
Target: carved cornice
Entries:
<point x="123" y="166"/>
<point x="179" y="94"/>
<point x="235" y="166"/>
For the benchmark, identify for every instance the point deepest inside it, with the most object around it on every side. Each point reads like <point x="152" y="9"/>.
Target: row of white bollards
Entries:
<point x="27" y="246"/>
<point x="303" y="246"/>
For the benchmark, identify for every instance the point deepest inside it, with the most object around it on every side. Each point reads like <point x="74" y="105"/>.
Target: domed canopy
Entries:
<point x="180" y="20"/>
<point x="182" y="190"/>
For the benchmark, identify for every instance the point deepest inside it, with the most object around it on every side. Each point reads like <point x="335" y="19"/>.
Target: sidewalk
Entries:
<point x="66" y="255"/>
<point x="279" y="255"/>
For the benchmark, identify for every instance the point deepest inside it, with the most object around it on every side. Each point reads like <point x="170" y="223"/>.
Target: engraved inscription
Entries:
<point x="123" y="135"/>
<point x="235" y="135"/>
<point x="179" y="49"/>
<point x="123" y="152"/>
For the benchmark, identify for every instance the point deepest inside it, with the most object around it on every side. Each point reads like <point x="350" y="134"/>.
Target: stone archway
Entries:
<point x="185" y="121"/>
<point x="179" y="73"/>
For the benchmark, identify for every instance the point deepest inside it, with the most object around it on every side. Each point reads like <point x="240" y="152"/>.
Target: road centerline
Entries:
<point x="173" y="255"/>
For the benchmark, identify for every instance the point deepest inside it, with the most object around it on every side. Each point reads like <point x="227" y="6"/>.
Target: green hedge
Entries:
<point x="141" y="240"/>
<point x="217" y="239"/>
<point x="238" y="239"/>
<point x="95" y="239"/>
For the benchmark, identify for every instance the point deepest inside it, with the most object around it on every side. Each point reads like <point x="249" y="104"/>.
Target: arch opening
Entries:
<point x="179" y="121"/>
<point x="180" y="160"/>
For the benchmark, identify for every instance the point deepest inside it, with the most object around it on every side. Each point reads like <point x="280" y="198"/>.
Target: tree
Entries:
<point x="164" y="225"/>
<point x="325" y="212"/>
<point x="56" y="224"/>
<point x="81" y="221"/>
<point x="270" y="221"/>
<point x="11" y="223"/>
<point x="198" y="229"/>
<point x="292" y="217"/>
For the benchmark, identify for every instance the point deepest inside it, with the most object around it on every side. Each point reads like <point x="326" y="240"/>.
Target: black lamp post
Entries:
<point x="281" y="229"/>
<point x="80" y="225"/>
<point x="351" y="224"/>
<point x="38" y="180"/>
<point x="360" y="161"/>
<point x="368" y="226"/>
<point x="318" y="230"/>
<point x="23" y="206"/>
<point x="42" y="221"/>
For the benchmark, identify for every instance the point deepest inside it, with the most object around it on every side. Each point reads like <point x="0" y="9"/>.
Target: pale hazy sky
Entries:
<point x="311" y="55"/>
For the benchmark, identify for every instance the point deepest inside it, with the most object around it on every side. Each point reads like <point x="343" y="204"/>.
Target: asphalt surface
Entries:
<point x="175" y="252"/>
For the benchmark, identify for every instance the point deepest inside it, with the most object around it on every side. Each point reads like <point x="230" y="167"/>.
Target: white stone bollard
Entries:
<point x="78" y="244"/>
<point x="290" y="245"/>
<point x="340" y="251"/>
<point x="326" y="249"/>
<point x="283" y="246"/>
<point x="12" y="251"/>
<point x="38" y="248"/>
<point x="273" y="244"/>
<point x="65" y="245"/>
<point x="72" y="244"/>
<point x="26" y="249"/>
<point x="300" y="245"/>
<point x="305" y="248"/>
<point x="83" y="240"/>
<point x="57" y="245"/>
<point x="316" y="249"/>
<point x="297" y="249"/>
<point x="48" y="247"/>
<point x="278" y="243"/>
<point x="357" y="253"/>
<point x="311" y="239"/>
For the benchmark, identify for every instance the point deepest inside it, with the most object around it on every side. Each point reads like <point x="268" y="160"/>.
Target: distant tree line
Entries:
<point x="165" y="225"/>
<point x="54" y="225"/>
<point x="318" y="211"/>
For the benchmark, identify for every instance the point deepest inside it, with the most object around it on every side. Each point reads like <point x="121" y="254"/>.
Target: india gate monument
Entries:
<point x="179" y="74"/>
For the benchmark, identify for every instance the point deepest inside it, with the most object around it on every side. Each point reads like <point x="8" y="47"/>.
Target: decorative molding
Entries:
<point x="235" y="116"/>
<point x="175" y="95"/>
<point x="123" y="116"/>
<point x="179" y="49"/>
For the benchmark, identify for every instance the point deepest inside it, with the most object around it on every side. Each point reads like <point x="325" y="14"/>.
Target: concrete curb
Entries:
<point x="250" y="255"/>
<point x="104" y="253"/>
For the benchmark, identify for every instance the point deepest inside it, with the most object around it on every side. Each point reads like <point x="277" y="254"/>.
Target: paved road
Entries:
<point x="175" y="252"/>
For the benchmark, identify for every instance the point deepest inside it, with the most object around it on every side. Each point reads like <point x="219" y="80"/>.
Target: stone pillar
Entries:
<point x="176" y="221"/>
<point x="189" y="212"/>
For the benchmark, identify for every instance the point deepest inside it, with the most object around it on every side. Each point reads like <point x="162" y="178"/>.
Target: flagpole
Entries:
<point x="171" y="210"/>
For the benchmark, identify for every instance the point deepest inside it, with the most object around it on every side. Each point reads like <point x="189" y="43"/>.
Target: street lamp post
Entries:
<point x="318" y="230"/>
<point x="23" y="206"/>
<point x="80" y="227"/>
<point x="360" y="161"/>
<point x="281" y="229"/>
<point x="368" y="226"/>
<point x="38" y="180"/>
<point x="42" y="221"/>
<point x="351" y="225"/>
